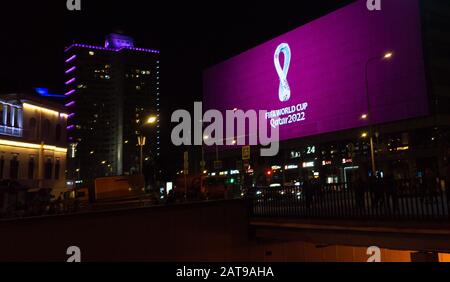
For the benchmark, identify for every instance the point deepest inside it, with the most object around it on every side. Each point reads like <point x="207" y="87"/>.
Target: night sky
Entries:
<point x="191" y="35"/>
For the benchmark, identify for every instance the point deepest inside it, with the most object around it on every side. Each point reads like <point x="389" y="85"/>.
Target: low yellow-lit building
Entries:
<point x="32" y="142"/>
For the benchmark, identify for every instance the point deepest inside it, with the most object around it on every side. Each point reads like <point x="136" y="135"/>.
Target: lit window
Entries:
<point x="73" y="150"/>
<point x="91" y="53"/>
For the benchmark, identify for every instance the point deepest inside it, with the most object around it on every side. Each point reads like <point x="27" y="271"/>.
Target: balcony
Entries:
<point x="11" y="131"/>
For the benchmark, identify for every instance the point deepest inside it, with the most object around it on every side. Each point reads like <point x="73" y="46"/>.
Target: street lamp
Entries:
<point x="151" y="120"/>
<point x="367" y="116"/>
<point x="142" y="141"/>
<point x="388" y="55"/>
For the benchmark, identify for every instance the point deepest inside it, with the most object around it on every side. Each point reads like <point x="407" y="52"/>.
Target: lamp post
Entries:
<point x="203" y="164"/>
<point x="206" y="137"/>
<point x="368" y="115"/>
<point x="142" y="141"/>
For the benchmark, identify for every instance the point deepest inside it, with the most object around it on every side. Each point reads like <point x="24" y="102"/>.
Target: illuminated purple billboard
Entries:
<point x="349" y="68"/>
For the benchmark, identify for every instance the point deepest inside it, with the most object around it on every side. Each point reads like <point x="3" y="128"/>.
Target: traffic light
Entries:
<point x="231" y="181"/>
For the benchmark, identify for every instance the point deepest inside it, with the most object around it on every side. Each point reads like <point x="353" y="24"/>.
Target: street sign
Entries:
<point x="246" y="152"/>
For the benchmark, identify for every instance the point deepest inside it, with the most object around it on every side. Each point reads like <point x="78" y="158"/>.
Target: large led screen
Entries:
<point x="315" y="79"/>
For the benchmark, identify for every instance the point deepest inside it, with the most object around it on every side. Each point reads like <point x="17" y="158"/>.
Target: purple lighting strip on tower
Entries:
<point x="71" y="115"/>
<point x="71" y="59"/>
<point x="70" y="92"/>
<point x="70" y="81"/>
<point x="71" y="70"/>
<point x="70" y="127"/>
<point x="70" y="104"/>
<point x="111" y="49"/>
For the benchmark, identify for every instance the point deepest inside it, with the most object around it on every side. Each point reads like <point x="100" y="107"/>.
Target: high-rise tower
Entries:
<point x="111" y="93"/>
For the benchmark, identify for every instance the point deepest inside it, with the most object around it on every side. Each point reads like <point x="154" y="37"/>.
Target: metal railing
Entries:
<point x="406" y="200"/>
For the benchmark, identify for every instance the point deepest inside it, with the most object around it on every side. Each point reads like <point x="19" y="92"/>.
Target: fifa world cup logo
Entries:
<point x="73" y="5"/>
<point x="284" y="91"/>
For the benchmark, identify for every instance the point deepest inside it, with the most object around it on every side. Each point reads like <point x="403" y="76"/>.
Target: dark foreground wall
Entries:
<point x="215" y="231"/>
